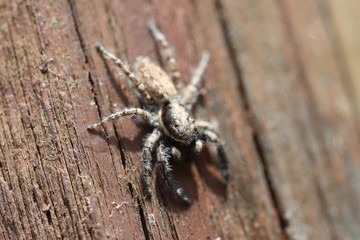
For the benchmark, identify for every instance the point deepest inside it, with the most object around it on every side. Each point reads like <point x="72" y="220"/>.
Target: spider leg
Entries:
<point x="166" y="171"/>
<point x="124" y="112"/>
<point x="211" y="136"/>
<point x="205" y="125"/>
<point x="146" y="159"/>
<point x="199" y="144"/>
<point x="176" y="154"/>
<point x="171" y="61"/>
<point x="125" y="68"/>
<point x="191" y="91"/>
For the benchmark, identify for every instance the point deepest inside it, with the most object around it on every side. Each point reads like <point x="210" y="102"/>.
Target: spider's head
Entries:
<point x="177" y="123"/>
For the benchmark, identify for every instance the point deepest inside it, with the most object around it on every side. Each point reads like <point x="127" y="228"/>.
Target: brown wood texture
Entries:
<point x="283" y="85"/>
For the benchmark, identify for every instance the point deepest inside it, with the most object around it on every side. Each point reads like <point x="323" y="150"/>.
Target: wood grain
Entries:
<point x="277" y="86"/>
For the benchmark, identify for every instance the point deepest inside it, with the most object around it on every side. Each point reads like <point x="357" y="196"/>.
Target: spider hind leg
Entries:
<point x="125" y="69"/>
<point x="192" y="90"/>
<point x="171" y="60"/>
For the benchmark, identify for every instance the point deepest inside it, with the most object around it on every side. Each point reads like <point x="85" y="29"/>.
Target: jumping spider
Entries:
<point x="176" y="132"/>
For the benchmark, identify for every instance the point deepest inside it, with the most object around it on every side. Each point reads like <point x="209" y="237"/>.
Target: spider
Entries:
<point x="176" y="133"/>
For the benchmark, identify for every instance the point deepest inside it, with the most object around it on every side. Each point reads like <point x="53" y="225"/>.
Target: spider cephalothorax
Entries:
<point x="177" y="123"/>
<point x="174" y="126"/>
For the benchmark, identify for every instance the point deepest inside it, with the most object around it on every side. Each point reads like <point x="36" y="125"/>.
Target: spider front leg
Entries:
<point x="125" y="112"/>
<point x="192" y="91"/>
<point x="125" y="68"/>
<point x="203" y="126"/>
<point x="208" y="135"/>
<point x="161" y="39"/>
<point x="166" y="171"/>
<point x="146" y="158"/>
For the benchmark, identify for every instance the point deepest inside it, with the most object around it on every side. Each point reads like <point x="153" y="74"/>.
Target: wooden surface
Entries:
<point x="283" y="85"/>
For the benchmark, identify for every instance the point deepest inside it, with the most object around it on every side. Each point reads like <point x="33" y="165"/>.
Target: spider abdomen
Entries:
<point x="155" y="80"/>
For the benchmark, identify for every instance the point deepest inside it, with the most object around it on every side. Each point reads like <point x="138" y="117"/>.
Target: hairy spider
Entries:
<point x="176" y="132"/>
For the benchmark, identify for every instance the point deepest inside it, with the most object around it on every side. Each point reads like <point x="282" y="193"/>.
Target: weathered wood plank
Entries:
<point x="274" y="86"/>
<point x="63" y="189"/>
<point x="334" y="114"/>
<point x="80" y="185"/>
<point x="301" y="113"/>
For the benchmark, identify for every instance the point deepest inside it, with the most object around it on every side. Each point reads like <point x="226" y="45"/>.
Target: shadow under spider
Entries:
<point x="210" y="174"/>
<point x="182" y="170"/>
<point x="184" y="176"/>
